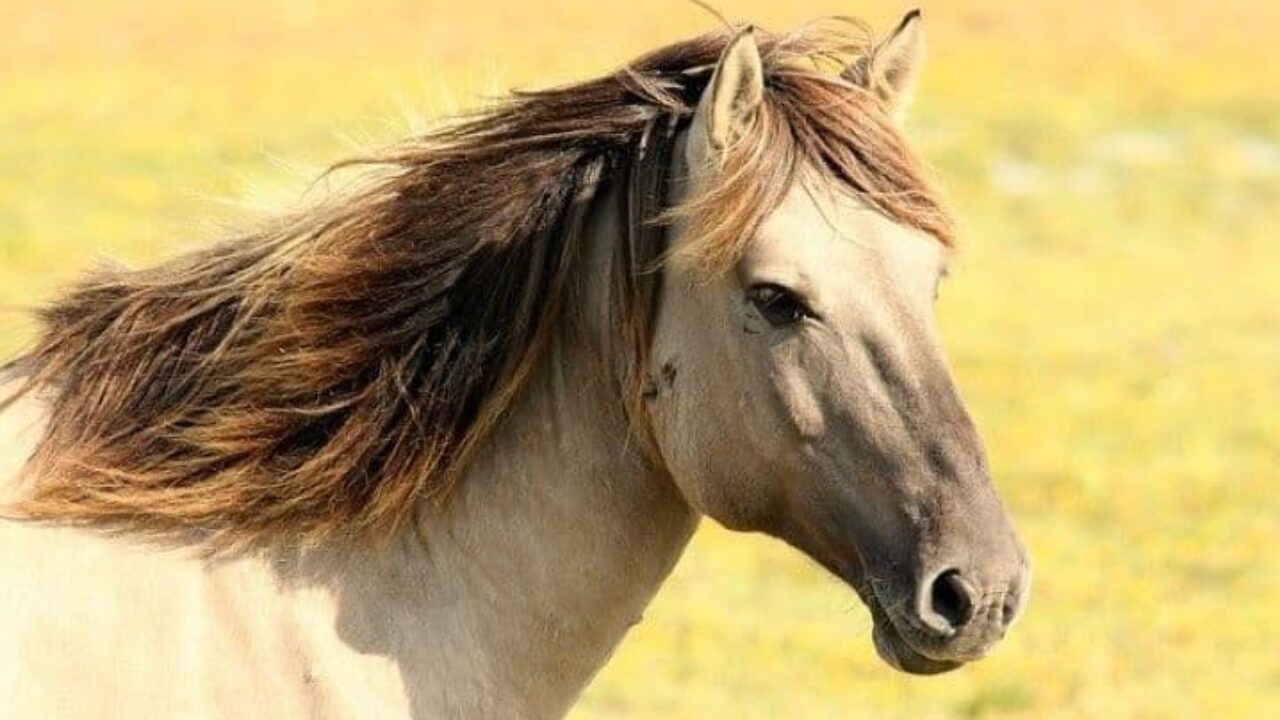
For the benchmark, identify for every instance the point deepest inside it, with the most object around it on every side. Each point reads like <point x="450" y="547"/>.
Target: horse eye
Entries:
<point x="778" y="305"/>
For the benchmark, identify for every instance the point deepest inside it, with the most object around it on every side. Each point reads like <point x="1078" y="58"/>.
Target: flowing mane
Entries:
<point x="325" y="373"/>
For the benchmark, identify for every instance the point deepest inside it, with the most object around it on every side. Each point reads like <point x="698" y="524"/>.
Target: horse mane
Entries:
<point x="323" y="374"/>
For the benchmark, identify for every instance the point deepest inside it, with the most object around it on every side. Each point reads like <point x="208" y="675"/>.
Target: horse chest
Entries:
<point x="101" y="629"/>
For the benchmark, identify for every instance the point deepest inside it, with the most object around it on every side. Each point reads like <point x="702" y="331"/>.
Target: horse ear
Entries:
<point x="891" y="69"/>
<point x="730" y="101"/>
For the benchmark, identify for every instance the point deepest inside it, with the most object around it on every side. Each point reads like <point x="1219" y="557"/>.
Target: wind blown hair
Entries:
<point x="322" y="376"/>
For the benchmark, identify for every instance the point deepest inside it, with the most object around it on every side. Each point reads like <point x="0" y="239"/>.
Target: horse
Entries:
<point x="427" y="447"/>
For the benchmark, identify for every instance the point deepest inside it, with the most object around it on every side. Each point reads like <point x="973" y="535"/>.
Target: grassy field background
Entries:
<point x="1114" y="319"/>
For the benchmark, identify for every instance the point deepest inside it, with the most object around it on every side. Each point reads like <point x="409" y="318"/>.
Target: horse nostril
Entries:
<point x="951" y="597"/>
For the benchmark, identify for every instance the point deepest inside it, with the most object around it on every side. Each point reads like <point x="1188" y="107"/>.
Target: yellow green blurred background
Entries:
<point x="1114" y="317"/>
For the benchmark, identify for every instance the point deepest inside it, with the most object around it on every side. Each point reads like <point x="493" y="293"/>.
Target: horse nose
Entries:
<point x="948" y="602"/>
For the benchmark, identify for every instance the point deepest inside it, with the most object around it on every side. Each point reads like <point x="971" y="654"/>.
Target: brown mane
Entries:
<point x="322" y="375"/>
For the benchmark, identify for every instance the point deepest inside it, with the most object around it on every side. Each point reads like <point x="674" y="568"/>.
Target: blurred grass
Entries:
<point x="1113" y="323"/>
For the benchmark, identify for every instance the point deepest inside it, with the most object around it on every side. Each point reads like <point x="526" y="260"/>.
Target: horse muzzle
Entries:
<point x="949" y="619"/>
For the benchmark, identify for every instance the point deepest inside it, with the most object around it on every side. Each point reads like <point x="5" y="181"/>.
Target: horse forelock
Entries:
<point x="323" y="376"/>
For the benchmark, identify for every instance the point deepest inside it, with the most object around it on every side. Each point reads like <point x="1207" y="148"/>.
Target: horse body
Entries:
<point x="502" y="604"/>
<point x="236" y="499"/>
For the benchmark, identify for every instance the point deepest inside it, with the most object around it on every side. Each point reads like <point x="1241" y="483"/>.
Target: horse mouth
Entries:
<point x="895" y="649"/>
<point x="898" y="653"/>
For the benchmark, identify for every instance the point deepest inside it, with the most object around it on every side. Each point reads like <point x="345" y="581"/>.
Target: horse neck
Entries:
<point x="557" y="537"/>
